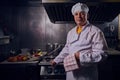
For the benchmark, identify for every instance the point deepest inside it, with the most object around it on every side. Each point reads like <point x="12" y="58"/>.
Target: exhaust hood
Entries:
<point x="59" y="11"/>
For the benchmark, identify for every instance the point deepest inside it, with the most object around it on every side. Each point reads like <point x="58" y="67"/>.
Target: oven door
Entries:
<point x="47" y="72"/>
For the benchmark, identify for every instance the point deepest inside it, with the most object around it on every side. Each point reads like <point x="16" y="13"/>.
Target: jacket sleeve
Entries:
<point x="63" y="53"/>
<point x="98" y="51"/>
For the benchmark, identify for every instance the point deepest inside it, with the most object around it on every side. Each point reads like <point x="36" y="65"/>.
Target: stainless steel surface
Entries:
<point x="113" y="52"/>
<point x="54" y="1"/>
<point x="21" y="62"/>
<point x="49" y="72"/>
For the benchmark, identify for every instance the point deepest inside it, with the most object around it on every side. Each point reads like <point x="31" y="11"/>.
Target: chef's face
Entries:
<point x="80" y="18"/>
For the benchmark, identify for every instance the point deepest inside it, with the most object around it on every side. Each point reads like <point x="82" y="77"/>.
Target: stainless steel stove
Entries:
<point x="48" y="72"/>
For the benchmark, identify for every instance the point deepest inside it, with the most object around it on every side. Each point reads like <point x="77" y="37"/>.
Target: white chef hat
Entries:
<point x="79" y="7"/>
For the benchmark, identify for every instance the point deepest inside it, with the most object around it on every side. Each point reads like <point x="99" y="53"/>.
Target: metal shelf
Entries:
<point x="4" y="40"/>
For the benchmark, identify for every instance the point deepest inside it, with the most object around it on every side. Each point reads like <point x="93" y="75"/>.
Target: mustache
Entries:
<point x="79" y="19"/>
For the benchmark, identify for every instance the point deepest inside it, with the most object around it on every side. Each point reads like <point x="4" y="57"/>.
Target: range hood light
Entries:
<point x="54" y="1"/>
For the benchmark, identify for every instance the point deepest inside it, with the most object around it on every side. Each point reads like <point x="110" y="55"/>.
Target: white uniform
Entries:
<point x="91" y="45"/>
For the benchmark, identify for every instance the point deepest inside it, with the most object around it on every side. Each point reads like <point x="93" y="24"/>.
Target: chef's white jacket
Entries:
<point x="91" y="45"/>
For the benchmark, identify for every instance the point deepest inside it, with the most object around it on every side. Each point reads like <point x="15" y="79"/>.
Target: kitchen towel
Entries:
<point x="70" y="63"/>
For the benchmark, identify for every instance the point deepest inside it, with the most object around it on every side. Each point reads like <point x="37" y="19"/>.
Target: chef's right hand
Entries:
<point x="53" y="63"/>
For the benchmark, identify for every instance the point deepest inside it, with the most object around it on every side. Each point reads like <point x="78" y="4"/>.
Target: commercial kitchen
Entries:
<point x="33" y="32"/>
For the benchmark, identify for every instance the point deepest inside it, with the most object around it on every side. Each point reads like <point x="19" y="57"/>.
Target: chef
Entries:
<point x="85" y="44"/>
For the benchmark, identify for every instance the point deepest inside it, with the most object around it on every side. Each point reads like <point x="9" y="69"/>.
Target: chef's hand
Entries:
<point x="77" y="55"/>
<point x="53" y="63"/>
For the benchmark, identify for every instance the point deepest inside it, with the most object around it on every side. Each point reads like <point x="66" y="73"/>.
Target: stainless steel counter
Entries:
<point x="20" y="62"/>
<point x="113" y="52"/>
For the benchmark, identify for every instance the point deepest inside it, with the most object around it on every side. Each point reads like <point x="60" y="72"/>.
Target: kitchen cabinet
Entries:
<point x="110" y="69"/>
<point x="19" y="71"/>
